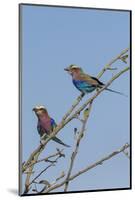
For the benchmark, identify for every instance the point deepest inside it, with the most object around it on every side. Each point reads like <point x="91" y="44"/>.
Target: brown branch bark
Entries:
<point x="77" y="101"/>
<point x="97" y="94"/>
<point x="52" y="164"/>
<point x="89" y="167"/>
<point x="59" y="152"/>
<point x="28" y="183"/>
<point x="107" y="66"/>
<point x="40" y="148"/>
<point x="74" y="154"/>
<point x="33" y="159"/>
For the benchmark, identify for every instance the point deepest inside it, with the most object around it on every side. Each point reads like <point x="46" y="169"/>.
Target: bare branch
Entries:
<point x="77" y="101"/>
<point x="126" y="153"/>
<point x="73" y="156"/>
<point x="89" y="167"/>
<point x="52" y="164"/>
<point x="107" y="66"/>
<point x="59" y="152"/>
<point x="40" y="148"/>
<point x="61" y="176"/>
<point x="33" y="159"/>
<point x="95" y="95"/>
<point x="27" y="187"/>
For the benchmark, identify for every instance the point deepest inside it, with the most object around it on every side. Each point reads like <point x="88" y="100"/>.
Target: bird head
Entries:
<point x="40" y="110"/>
<point x="73" y="69"/>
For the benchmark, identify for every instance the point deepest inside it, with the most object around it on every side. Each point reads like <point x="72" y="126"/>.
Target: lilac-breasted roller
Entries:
<point x="84" y="82"/>
<point x="46" y="124"/>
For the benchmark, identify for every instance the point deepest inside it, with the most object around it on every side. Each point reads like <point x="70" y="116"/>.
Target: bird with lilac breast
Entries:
<point x="84" y="82"/>
<point x="46" y="124"/>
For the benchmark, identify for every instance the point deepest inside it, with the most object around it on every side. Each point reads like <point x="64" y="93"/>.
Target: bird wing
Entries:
<point x="53" y="124"/>
<point x="40" y="129"/>
<point x="90" y="80"/>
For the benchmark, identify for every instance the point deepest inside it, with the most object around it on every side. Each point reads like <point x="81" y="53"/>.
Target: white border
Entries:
<point x="9" y="96"/>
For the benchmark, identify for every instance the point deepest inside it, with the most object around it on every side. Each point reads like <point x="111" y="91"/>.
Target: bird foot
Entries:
<point x="42" y="142"/>
<point x="80" y="97"/>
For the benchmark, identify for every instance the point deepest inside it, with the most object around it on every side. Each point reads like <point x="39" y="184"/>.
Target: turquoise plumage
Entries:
<point x="84" y="82"/>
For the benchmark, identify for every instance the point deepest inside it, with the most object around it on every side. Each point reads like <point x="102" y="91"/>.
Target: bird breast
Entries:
<point x="45" y="124"/>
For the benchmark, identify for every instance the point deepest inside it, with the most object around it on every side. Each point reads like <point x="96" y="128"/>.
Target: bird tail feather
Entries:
<point x="116" y="92"/>
<point x="59" y="141"/>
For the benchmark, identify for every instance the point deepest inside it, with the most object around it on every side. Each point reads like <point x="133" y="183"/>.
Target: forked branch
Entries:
<point x="89" y="167"/>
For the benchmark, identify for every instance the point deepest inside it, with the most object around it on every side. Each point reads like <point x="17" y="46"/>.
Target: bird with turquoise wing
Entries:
<point x="84" y="82"/>
<point x="46" y="124"/>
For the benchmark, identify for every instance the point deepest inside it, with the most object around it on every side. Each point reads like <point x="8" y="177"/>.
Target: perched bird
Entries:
<point x="84" y="82"/>
<point x="46" y="124"/>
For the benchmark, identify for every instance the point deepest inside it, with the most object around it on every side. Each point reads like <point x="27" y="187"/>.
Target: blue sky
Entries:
<point x="52" y="39"/>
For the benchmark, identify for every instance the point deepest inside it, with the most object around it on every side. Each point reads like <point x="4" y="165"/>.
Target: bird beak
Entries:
<point x="66" y="69"/>
<point x="34" y="109"/>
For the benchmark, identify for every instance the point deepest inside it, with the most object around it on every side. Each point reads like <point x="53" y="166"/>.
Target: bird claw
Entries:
<point x="41" y="142"/>
<point x="80" y="97"/>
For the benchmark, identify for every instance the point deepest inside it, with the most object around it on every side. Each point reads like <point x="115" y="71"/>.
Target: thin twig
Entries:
<point x="34" y="179"/>
<point x="61" y="176"/>
<point x="58" y="178"/>
<point x="73" y="156"/>
<point x="126" y="154"/>
<point x="41" y="147"/>
<point x="27" y="181"/>
<point x="63" y="123"/>
<point x="59" y="152"/>
<point x="107" y="66"/>
<point x="34" y="156"/>
<point x="89" y="167"/>
<point x="77" y="101"/>
<point x="52" y="164"/>
<point x="95" y="95"/>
